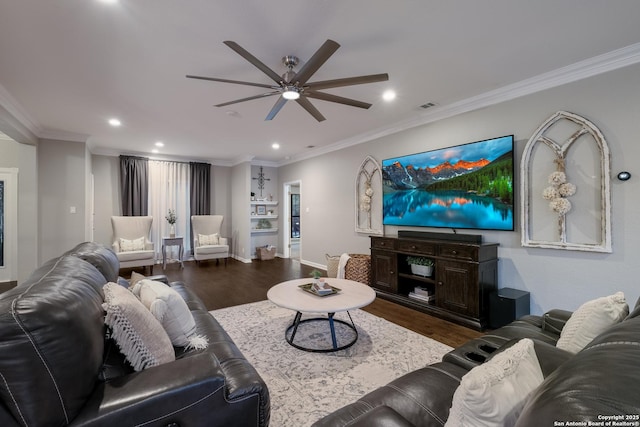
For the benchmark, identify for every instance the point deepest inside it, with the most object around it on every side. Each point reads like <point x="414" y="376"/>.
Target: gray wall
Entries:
<point x="555" y="278"/>
<point x="23" y="157"/>
<point x="62" y="182"/>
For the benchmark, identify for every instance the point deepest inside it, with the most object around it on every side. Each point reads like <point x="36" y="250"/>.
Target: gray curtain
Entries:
<point x="134" y="185"/>
<point x="200" y="190"/>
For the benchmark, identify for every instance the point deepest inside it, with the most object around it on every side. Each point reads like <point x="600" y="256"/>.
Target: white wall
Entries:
<point x="554" y="277"/>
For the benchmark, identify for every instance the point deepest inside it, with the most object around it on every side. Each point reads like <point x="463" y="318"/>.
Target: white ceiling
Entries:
<point x="66" y="66"/>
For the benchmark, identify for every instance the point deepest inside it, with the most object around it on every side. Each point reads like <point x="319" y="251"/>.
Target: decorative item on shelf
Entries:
<point x="270" y="198"/>
<point x="263" y="224"/>
<point x="253" y="196"/>
<point x="420" y="266"/>
<point x="261" y="209"/>
<point x="171" y="219"/>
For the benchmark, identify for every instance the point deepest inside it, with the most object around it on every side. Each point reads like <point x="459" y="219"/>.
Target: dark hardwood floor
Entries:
<point x="221" y="286"/>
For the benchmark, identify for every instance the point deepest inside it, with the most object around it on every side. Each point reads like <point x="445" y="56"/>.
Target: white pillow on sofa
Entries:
<point x="494" y="393"/>
<point x="171" y="310"/>
<point x="140" y="337"/>
<point x="590" y="320"/>
<point x="208" y="239"/>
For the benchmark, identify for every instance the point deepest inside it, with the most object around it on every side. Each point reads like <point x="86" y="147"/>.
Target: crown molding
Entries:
<point x="600" y="64"/>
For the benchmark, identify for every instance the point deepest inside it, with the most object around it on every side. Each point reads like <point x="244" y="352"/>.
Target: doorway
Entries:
<point x="8" y="224"/>
<point x="292" y="235"/>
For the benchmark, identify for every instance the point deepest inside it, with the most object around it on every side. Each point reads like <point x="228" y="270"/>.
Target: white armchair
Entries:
<point x="131" y="241"/>
<point x="207" y="241"/>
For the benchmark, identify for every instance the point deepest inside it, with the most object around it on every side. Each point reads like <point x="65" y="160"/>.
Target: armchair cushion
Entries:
<point x="139" y="335"/>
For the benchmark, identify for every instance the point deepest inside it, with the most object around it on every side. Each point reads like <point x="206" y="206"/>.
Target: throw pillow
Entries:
<point x="208" y="239"/>
<point x="172" y="312"/>
<point x="139" y="335"/>
<point x="135" y="278"/>
<point x="590" y="320"/>
<point x="132" y="245"/>
<point x="494" y="393"/>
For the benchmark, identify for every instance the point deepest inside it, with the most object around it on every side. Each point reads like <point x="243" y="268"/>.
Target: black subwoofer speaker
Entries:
<point x="507" y="305"/>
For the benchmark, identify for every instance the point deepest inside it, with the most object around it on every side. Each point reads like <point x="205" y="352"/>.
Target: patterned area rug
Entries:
<point x="306" y="386"/>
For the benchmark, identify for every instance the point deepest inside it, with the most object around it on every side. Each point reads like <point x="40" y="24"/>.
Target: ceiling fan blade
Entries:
<point x="255" y="61"/>
<point x="338" y="99"/>
<point x="349" y="81"/>
<point x="307" y="105"/>
<point x="238" y="82"/>
<point x="276" y="108"/>
<point x="320" y="57"/>
<point x="263" y="95"/>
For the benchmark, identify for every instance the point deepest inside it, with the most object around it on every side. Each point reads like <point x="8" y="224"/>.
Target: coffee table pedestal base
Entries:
<point x="297" y="322"/>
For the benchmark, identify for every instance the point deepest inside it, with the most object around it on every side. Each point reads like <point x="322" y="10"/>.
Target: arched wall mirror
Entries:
<point x="565" y="186"/>
<point x="369" y="198"/>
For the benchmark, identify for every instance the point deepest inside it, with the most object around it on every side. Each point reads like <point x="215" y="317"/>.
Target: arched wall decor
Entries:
<point x="565" y="186"/>
<point x="369" y="198"/>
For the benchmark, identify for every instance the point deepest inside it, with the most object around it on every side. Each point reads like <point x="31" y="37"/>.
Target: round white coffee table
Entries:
<point x="351" y="295"/>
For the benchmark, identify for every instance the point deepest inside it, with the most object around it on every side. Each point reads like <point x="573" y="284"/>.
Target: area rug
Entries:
<point x="305" y="386"/>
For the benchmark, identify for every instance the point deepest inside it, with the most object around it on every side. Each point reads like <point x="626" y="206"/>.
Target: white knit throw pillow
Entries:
<point x="590" y="320"/>
<point x="171" y="310"/>
<point x="132" y="245"/>
<point x="493" y="394"/>
<point x="139" y="335"/>
<point x="208" y="239"/>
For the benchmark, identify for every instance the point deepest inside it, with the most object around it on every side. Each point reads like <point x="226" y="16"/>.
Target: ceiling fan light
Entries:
<point x="291" y="93"/>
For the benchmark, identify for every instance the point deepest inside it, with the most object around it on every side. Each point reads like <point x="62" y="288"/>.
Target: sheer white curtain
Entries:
<point x="169" y="189"/>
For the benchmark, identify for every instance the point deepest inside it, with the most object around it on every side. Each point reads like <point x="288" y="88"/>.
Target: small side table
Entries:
<point x="171" y="241"/>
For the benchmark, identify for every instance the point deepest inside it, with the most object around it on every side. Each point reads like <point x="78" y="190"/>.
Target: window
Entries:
<point x="295" y="215"/>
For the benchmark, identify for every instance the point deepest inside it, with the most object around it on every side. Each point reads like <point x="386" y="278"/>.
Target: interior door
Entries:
<point x="8" y="224"/>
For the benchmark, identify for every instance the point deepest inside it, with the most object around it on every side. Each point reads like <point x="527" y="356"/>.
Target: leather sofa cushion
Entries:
<point x="101" y="257"/>
<point x="51" y="341"/>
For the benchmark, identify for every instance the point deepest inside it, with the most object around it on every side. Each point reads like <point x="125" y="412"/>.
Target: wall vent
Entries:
<point x="427" y="105"/>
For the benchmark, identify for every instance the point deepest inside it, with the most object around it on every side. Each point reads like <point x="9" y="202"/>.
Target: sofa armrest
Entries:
<point x="554" y="320"/>
<point x="223" y="241"/>
<point x="186" y="392"/>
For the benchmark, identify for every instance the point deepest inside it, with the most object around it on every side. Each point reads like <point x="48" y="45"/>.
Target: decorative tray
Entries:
<point x="307" y="287"/>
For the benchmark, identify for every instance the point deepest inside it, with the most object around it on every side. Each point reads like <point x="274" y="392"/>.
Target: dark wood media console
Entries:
<point x="464" y="275"/>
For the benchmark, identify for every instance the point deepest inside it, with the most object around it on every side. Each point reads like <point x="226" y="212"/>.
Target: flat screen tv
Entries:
<point x="467" y="186"/>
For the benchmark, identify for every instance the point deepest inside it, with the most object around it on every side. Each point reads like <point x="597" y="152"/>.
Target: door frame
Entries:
<point x="9" y="269"/>
<point x="286" y="220"/>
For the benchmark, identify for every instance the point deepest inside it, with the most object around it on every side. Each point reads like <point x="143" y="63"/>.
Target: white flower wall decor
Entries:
<point x="368" y="215"/>
<point x="565" y="153"/>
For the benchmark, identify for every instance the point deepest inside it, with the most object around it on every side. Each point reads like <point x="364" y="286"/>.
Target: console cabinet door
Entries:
<point x="457" y="287"/>
<point x="384" y="270"/>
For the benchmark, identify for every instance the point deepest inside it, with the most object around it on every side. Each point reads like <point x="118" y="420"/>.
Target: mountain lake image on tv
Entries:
<point x="467" y="186"/>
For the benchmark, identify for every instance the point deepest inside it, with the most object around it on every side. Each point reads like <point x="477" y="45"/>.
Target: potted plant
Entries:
<point x="319" y="286"/>
<point x="420" y="266"/>
<point x="171" y="219"/>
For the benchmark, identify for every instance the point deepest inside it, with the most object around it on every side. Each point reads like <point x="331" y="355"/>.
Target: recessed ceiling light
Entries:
<point x="114" y="122"/>
<point x="389" y="95"/>
<point x="159" y="144"/>
<point x="275" y="145"/>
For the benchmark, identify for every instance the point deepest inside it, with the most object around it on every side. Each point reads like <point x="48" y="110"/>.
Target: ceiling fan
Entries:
<point x="294" y="85"/>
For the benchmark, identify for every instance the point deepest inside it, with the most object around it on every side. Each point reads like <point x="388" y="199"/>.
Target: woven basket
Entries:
<point x="358" y="268"/>
<point x="332" y="265"/>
